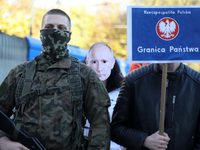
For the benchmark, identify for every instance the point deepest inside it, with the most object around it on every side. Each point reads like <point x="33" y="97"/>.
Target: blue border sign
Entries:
<point x="163" y="34"/>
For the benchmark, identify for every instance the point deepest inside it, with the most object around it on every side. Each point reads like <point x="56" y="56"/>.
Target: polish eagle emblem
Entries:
<point x="167" y="28"/>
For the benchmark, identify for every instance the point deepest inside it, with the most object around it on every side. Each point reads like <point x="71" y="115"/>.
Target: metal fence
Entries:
<point x="13" y="51"/>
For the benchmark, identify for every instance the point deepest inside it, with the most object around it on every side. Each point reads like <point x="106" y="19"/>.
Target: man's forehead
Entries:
<point x="56" y="18"/>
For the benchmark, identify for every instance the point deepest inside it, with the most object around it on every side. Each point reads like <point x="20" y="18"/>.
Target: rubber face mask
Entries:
<point x="54" y="43"/>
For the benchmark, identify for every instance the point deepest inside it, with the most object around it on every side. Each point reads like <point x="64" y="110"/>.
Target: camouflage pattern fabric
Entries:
<point x="49" y="117"/>
<point x="54" y="43"/>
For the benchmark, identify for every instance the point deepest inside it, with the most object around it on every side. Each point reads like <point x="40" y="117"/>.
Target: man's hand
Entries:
<point x="156" y="141"/>
<point x="7" y="144"/>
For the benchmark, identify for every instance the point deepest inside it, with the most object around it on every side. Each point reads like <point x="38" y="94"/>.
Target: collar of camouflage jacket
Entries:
<point x="43" y="64"/>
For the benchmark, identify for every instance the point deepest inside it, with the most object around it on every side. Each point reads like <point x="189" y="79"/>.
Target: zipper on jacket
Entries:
<point x="173" y="106"/>
<point x="167" y="83"/>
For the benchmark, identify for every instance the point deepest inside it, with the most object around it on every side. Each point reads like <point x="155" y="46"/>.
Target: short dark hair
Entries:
<point x="56" y="12"/>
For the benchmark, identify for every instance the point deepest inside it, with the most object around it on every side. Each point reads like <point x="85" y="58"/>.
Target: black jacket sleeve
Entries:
<point x="121" y="131"/>
<point x="196" y="145"/>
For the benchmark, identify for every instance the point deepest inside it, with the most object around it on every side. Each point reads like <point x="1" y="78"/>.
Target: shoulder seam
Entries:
<point x="138" y="73"/>
<point x="193" y="74"/>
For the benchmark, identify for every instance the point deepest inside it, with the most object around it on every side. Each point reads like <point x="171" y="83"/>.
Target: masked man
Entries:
<point x="52" y="93"/>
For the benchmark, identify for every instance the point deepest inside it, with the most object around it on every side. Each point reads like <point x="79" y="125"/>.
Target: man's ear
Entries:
<point x="86" y="61"/>
<point x="113" y="63"/>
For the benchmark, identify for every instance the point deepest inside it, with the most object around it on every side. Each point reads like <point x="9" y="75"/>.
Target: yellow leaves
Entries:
<point x="97" y="26"/>
<point x="15" y="18"/>
<point x="195" y="66"/>
<point x="15" y="24"/>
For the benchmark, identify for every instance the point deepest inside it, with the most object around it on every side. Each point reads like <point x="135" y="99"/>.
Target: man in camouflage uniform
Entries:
<point x="49" y="92"/>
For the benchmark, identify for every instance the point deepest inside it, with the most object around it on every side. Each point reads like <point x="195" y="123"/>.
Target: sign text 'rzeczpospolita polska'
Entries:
<point x="169" y="12"/>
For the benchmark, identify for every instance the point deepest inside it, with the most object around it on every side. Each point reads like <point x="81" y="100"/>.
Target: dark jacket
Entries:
<point x="136" y="114"/>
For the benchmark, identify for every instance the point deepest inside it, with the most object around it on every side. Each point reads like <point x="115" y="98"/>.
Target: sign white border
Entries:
<point x="129" y="36"/>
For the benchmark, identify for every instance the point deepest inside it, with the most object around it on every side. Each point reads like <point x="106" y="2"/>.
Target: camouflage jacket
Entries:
<point x="49" y="117"/>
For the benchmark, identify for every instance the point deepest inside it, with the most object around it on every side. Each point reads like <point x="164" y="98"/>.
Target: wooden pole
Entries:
<point x="163" y="97"/>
